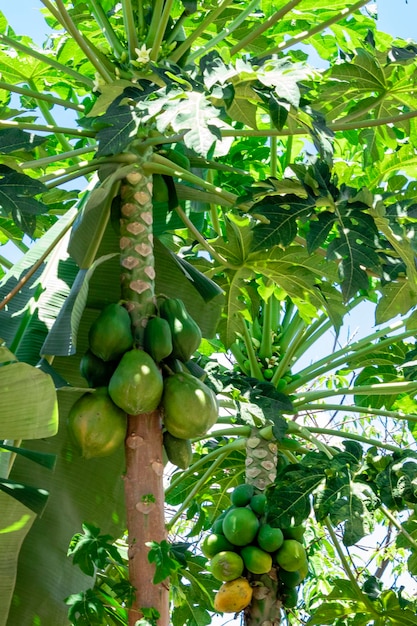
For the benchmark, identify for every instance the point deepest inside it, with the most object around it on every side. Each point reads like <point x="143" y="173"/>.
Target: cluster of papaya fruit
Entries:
<point x="241" y="544"/>
<point x="126" y="379"/>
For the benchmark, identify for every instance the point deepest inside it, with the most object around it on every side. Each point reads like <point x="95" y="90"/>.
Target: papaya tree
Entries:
<point x="212" y="213"/>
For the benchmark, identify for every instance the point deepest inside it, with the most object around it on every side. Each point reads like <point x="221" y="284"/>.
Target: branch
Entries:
<point x="106" y="28"/>
<point x="355" y="437"/>
<point x="130" y="28"/>
<point x="398" y="526"/>
<point x="160" y="32"/>
<point x="63" y="156"/>
<point x="334" y="127"/>
<point x="384" y="389"/>
<point x="201" y="239"/>
<point x="366" y="601"/>
<point x="353" y="408"/>
<point x="316" y="29"/>
<point x="49" y="119"/>
<point x="64" y="18"/>
<point x="41" y="96"/>
<point x="225" y="32"/>
<point x="160" y="165"/>
<point x="22" y="282"/>
<point x="48" y="129"/>
<point x="209" y="19"/>
<point x="256" y="32"/>
<point x="50" y="61"/>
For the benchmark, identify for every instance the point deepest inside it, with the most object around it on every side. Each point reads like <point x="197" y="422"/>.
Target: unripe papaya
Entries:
<point x="157" y="339"/>
<point x="190" y="407"/>
<point x="186" y="334"/>
<point x="136" y="385"/>
<point x="178" y="451"/>
<point x="110" y="334"/>
<point x="96" y="371"/>
<point x="96" y="424"/>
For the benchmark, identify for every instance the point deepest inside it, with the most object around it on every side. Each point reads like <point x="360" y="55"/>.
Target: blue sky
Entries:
<point x="395" y="17"/>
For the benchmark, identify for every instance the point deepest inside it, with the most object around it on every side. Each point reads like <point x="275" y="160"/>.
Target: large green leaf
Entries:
<point x="29" y="316"/>
<point x="80" y="490"/>
<point x="28" y="407"/>
<point x="16" y="521"/>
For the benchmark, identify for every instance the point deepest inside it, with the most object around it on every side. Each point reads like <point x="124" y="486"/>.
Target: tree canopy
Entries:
<point x="253" y="162"/>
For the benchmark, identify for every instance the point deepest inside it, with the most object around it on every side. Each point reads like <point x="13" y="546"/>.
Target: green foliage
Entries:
<point x="222" y="106"/>
<point x="91" y="551"/>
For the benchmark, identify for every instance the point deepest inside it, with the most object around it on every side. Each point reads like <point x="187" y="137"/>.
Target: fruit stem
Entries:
<point x="239" y="356"/>
<point x="265" y="350"/>
<point x="398" y="526"/>
<point x="236" y="444"/>
<point x="197" y="486"/>
<point x="255" y="370"/>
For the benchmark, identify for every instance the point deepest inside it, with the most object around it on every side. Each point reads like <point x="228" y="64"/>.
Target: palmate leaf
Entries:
<point x="193" y="113"/>
<point x="120" y="124"/>
<point x="354" y="247"/>
<point x="13" y="139"/>
<point x="17" y="193"/>
<point x="194" y="592"/>
<point x="306" y="278"/>
<point x="278" y="217"/>
<point x="289" y="499"/>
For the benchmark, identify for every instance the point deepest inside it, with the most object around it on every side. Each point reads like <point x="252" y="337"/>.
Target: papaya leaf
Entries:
<point x="197" y="117"/>
<point x="119" y="125"/>
<point x="319" y="229"/>
<point x="194" y="589"/>
<point x="13" y="139"/>
<point x="354" y="247"/>
<point x="231" y="321"/>
<point x="17" y="193"/>
<point x="327" y="612"/>
<point x="397" y="298"/>
<point x="79" y="490"/>
<point x="288" y="499"/>
<point x="278" y="217"/>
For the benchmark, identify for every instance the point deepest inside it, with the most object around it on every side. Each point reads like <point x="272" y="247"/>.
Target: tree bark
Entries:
<point x="144" y="508"/>
<point x="261" y="463"/>
<point x="144" y="492"/>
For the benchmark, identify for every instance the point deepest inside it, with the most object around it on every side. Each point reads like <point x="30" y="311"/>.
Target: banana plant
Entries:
<point x="189" y="125"/>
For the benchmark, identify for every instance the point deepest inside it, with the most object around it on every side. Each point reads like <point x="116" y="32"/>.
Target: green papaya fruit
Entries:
<point x="136" y="385"/>
<point x="157" y="339"/>
<point x="110" y="335"/>
<point x="190" y="407"/>
<point x="96" y="424"/>
<point x="178" y="451"/>
<point x="186" y="334"/>
<point x="96" y="371"/>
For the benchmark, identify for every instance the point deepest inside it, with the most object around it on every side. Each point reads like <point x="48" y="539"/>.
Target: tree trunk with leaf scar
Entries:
<point x="144" y="465"/>
<point x="261" y="462"/>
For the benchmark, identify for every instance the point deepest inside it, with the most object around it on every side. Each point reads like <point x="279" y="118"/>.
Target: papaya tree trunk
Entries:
<point x="261" y="463"/>
<point x="144" y="491"/>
